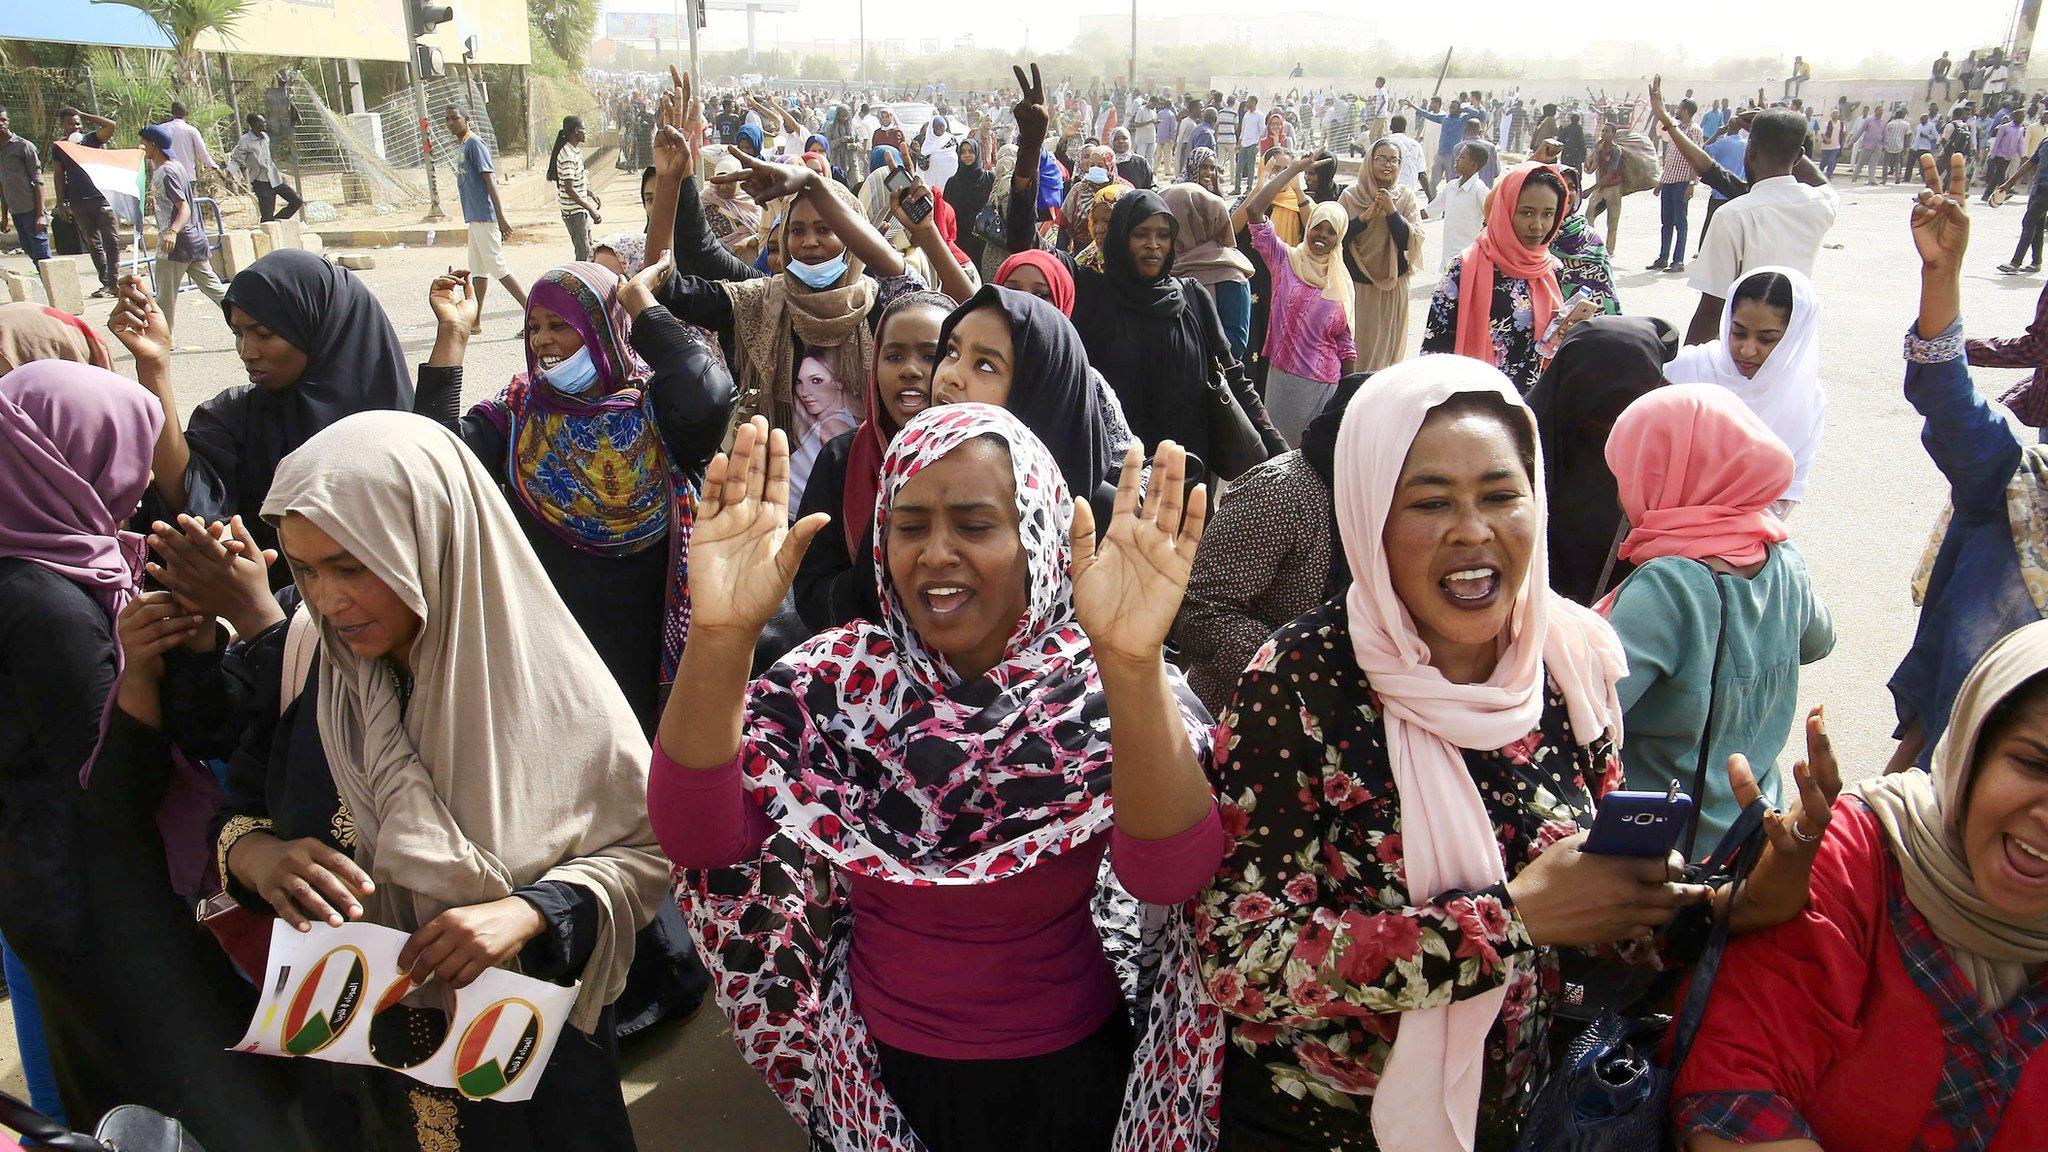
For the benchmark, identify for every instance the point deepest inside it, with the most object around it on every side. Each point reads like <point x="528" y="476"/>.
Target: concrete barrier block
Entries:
<point x="237" y="251"/>
<point x="61" y="284"/>
<point x="263" y="241"/>
<point x="311" y="242"/>
<point x="16" y="285"/>
<point x="358" y="262"/>
<point x="294" y="232"/>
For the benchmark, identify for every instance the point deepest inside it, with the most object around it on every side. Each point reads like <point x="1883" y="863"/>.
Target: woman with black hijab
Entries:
<point x="1155" y="338"/>
<point x="1602" y="366"/>
<point x="1013" y="350"/>
<point x="317" y="347"/>
<point x="968" y="193"/>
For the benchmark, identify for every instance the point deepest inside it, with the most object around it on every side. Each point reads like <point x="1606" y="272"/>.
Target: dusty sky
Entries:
<point x="1823" y="30"/>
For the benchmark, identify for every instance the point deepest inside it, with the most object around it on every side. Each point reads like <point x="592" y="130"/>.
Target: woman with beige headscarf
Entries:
<point x="1906" y="1008"/>
<point x="30" y="332"/>
<point x="1209" y="255"/>
<point x="1382" y="248"/>
<point x="735" y="220"/>
<point x="494" y="771"/>
<point x="836" y="268"/>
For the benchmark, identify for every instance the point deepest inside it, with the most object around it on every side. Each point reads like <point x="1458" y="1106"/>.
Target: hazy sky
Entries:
<point x="1844" y="30"/>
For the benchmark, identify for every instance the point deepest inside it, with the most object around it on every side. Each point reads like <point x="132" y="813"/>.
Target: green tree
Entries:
<point x="565" y="26"/>
<point x="184" y="21"/>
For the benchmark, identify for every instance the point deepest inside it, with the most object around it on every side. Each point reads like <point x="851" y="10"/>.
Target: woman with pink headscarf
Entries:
<point x="1720" y="611"/>
<point x="1404" y="772"/>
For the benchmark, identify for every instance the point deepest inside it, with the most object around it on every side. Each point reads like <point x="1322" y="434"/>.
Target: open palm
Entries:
<point x="743" y="550"/>
<point x="1128" y="588"/>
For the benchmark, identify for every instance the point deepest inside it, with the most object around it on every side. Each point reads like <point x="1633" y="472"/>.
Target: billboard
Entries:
<point x="373" y="30"/>
<point x="669" y="26"/>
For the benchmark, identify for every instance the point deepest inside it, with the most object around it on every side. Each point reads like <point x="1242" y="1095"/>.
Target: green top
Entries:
<point x="1668" y="612"/>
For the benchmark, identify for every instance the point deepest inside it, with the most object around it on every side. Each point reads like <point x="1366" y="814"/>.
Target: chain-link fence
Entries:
<point x="32" y="97"/>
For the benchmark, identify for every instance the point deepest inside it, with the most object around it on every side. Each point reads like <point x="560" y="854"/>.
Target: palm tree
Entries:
<point x="184" y="21"/>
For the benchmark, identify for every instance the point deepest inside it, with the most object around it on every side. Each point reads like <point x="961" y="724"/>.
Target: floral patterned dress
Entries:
<point x="1512" y="318"/>
<point x="1309" y="939"/>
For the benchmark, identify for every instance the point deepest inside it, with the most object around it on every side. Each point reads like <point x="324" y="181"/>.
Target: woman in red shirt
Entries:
<point x="1906" y="1006"/>
<point x="1277" y="134"/>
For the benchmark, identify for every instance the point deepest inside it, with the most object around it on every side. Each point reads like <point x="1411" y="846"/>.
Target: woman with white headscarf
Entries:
<point x="1769" y="355"/>
<point x="448" y="660"/>
<point x="1385" y="931"/>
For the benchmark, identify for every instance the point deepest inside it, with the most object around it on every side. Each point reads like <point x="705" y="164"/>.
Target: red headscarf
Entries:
<point x="1499" y="249"/>
<point x="1055" y="272"/>
<point x="871" y="439"/>
<point x="1697" y="473"/>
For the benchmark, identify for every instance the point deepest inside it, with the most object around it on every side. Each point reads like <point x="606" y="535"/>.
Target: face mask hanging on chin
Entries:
<point x="574" y="376"/>
<point x="819" y="275"/>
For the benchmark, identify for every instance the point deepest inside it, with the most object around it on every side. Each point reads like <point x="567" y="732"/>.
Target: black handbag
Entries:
<point x="126" y="1128"/>
<point x="1235" y="446"/>
<point x="988" y="224"/>
<point x="1612" y="1093"/>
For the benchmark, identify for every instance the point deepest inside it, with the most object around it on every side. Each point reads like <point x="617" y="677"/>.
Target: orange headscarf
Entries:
<point x="1498" y="249"/>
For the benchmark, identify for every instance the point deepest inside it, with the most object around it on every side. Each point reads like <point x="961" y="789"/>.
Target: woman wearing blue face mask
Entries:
<point x="837" y="271"/>
<point x="600" y="445"/>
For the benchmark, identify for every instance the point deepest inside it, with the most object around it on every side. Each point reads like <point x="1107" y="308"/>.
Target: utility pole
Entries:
<point x="423" y="18"/>
<point x="2022" y="49"/>
<point x="1133" y="78"/>
<point x="696" y="18"/>
<point x="863" y="44"/>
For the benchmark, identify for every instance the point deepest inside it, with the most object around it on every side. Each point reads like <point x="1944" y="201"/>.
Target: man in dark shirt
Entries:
<point x="728" y="122"/>
<point x="81" y="202"/>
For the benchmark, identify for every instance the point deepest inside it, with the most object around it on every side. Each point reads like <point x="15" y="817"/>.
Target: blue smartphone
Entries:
<point x="1640" y="824"/>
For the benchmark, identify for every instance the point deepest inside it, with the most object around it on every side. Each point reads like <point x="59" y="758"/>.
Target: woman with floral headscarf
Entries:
<point x="947" y="772"/>
<point x="1497" y="298"/>
<point x="601" y="444"/>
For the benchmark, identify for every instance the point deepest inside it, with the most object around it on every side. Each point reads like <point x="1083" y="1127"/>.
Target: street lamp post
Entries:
<point x="1133" y="78"/>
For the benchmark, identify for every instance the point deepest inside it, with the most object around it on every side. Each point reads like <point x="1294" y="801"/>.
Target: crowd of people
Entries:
<point x="997" y="604"/>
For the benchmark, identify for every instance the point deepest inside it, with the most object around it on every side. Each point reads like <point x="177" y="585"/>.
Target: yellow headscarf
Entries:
<point x="1326" y="272"/>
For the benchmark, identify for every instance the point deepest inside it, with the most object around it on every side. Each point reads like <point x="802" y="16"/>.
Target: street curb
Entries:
<point x="438" y="236"/>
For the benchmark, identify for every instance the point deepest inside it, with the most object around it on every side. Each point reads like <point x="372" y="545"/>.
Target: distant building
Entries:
<point x="1249" y="29"/>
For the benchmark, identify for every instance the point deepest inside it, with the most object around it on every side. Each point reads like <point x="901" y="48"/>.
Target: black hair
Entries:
<point x="1689" y="107"/>
<point x="1476" y="148"/>
<point x="66" y="112"/>
<point x="1398" y="124"/>
<point x="569" y="125"/>
<point x="1773" y="289"/>
<point x="253" y="117"/>
<point x="1777" y="136"/>
<point x="178" y="111"/>
<point x="1379" y="79"/>
<point x="1495" y="407"/>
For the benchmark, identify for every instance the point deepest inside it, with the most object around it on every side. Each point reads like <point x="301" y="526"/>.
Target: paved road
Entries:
<point x="1874" y="496"/>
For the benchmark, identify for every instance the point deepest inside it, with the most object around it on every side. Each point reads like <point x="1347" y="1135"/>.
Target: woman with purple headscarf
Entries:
<point x="137" y="1005"/>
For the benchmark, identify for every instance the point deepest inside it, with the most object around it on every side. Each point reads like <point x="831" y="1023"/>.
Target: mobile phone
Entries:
<point x="898" y="180"/>
<point x="1640" y="824"/>
<point x="915" y="208"/>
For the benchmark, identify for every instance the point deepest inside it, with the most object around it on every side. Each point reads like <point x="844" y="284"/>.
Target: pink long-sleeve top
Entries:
<point x="991" y="972"/>
<point x="1306" y="333"/>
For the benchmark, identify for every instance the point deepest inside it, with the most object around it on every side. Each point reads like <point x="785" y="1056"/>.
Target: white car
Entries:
<point x="911" y="116"/>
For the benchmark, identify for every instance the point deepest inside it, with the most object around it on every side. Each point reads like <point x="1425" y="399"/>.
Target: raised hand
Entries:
<point x="743" y="550"/>
<point x="675" y="144"/>
<point x="453" y="303"/>
<point x="216" y="569"/>
<point x="1777" y="888"/>
<point x="763" y="180"/>
<point x="1128" y="588"/>
<point x="138" y="323"/>
<point x="640" y="293"/>
<point x="1941" y="222"/>
<point x="1033" y="117"/>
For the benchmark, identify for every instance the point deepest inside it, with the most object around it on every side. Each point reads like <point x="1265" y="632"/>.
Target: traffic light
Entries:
<point x="428" y="60"/>
<point x="427" y="17"/>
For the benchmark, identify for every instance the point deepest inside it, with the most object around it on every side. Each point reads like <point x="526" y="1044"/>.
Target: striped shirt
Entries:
<point x="569" y="180"/>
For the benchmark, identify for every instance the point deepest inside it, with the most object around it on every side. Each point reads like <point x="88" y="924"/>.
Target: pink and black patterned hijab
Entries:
<point x="929" y="779"/>
<point x="875" y="759"/>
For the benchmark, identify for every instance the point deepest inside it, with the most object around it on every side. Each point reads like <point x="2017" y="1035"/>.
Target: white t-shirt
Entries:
<point x="1778" y="222"/>
<point x="1413" y="163"/>
<point x="1462" y="206"/>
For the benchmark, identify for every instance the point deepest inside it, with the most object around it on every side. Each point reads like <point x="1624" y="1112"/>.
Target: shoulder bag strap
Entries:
<point x="1699" y="776"/>
<point x="301" y="641"/>
<point x="1743" y="846"/>
<point x="1607" y="569"/>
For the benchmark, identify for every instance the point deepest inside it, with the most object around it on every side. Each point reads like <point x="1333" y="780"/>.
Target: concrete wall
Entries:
<point x="1819" y="92"/>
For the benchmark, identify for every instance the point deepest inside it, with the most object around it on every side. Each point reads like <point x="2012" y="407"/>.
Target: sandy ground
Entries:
<point x="1873" y="497"/>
